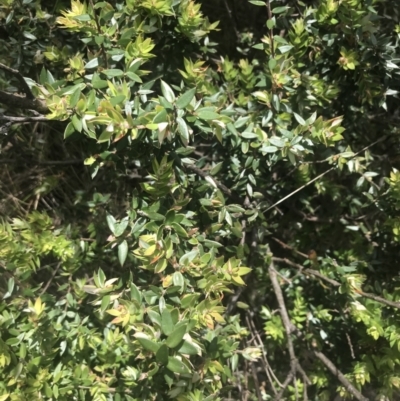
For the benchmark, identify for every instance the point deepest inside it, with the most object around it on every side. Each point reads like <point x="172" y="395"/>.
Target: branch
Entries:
<point x="335" y="283"/>
<point x="289" y="329"/>
<point x="295" y="366"/>
<point x="286" y="246"/>
<point x="322" y="174"/>
<point x="233" y="300"/>
<point x="336" y="372"/>
<point x="23" y="119"/>
<point x="21" y="102"/>
<point x="103" y="49"/>
<point x="312" y="272"/>
<point x="17" y="74"/>
<point x="51" y="279"/>
<point x="232" y="19"/>
<point x="288" y="379"/>
<point x="379" y="299"/>
<point x="47" y="162"/>
<point x="208" y="177"/>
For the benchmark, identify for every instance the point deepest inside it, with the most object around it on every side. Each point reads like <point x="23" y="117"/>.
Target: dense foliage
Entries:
<point x="199" y="210"/>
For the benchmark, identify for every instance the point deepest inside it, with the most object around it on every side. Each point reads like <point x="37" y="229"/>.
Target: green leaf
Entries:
<point x="104" y="303"/>
<point x="112" y="73"/>
<point x="93" y="63"/>
<point x="271" y="23"/>
<point x="299" y="119"/>
<point x="207" y="115"/>
<point x="269" y="149"/>
<point x="167" y="92"/>
<point x="178" y="280"/>
<point x="135" y="293"/>
<point x="188" y="349"/>
<point x="177" y="366"/>
<point x="162" y="354"/>
<point x="257" y="2"/>
<point x="167" y="325"/>
<point x="280" y="10"/>
<point x="77" y="123"/>
<point x="122" y="252"/>
<point x="183" y="129"/>
<point x="111" y="223"/>
<point x="185" y="99"/>
<point x="147" y="344"/>
<point x="69" y="130"/>
<point x="176" y="336"/>
<point x="271" y="63"/>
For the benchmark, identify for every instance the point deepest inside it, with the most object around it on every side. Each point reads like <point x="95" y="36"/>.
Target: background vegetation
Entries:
<point x="199" y="200"/>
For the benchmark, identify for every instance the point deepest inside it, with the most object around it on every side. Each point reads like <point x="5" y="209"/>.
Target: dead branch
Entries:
<point x="17" y="74"/>
<point x="336" y="372"/>
<point x="14" y="119"/>
<point x="20" y="102"/>
<point x="289" y="329"/>
<point x="204" y="175"/>
<point x="335" y="283"/>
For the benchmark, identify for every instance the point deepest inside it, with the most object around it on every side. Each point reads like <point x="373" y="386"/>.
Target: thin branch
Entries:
<point x="17" y="74"/>
<point x="300" y="188"/>
<point x="232" y="19"/>
<point x="312" y="272"/>
<point x="96" y="18"/>
<point x="206" y="176"/>
<point x="335" y="283"/>
<point x="288" y="325"/>
<point x="51" y="279"/>
<point x="268" y="371"/>
<point x="288" y="379"/>
<point x="233" y="300"/>
<point x="336" y="372"/>
<point x="286" y="246"/>
<point x="350" y="346"/>
<point x="289" y="329"/>
<point x="294" y="363"/>
<point x="23" y="119"/>
<point x="379" y="299"/>
<point x="322" y="174"/>
<point x="270" y="31"/>
<point x="46" y="162"/>
<point x="256" y="381"/>
<point x="21" y="102"/>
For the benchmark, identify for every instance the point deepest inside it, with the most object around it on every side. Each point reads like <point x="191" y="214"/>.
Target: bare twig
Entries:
<point x="51" y="279"/>
<point x="322" y="174"/>
<point x="270" y="31"/>
<point x="335" y="283"/>
<point x="203" y="174"/>
<point x="350" y="346"/>
<point x="23" y="119"/>
<point x="300" y="188"/>
<point x="21" y="102"/>
<point x="288" y="379"/>
<point x="232" y="19"/>
<point x="268" y="371"/>
<point x="312" y="272"/>
<point x="256" y="382"/>
<point x="17" y="74"/>
<point x="336" y="372"/>
<point x="288" y="325"/>
<point x="286" y="246"/>
<point x="233" y="300"/>
<point x="379" y="299"/>
<point x="289" y="329"/>
<point x="99" y="31"/>
<point x="46" y="162"/>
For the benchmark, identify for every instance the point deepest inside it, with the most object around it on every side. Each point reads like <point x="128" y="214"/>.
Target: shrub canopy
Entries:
<point x="197" y="210"/>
